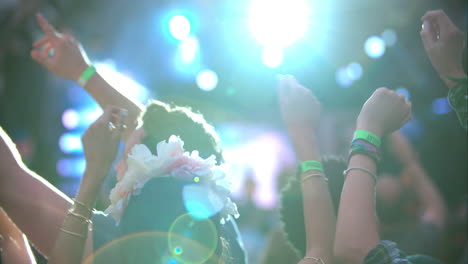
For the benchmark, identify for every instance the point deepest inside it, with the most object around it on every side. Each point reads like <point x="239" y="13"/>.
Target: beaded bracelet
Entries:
<point x="360" y="146"/>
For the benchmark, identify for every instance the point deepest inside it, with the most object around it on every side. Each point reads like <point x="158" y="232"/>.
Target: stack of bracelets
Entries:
<point x="83" y="219"/>
<point x="368" y="144"/>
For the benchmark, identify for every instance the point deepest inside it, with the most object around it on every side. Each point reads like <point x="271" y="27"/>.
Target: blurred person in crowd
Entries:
<point x="159" y="184"/>
<point x="445" y="45"/>
<point x="410" y="208"/>
<point x="14" y="246"/>
<point x="255" y="222"/>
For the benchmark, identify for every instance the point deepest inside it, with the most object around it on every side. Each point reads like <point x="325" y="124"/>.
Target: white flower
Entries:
<point x="211" y="193"/>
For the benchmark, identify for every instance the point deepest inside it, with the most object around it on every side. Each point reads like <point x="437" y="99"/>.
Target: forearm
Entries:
<point x="319" y="218"/>
<point x="29" y="200"/>
<point x="14" y="244"/>
<point x="107" y="95"/>
<point x="70" y="244"/>
<point x="357" y="229"/>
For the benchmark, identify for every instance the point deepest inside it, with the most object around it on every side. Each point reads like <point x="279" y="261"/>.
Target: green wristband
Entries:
<point x="310" y="165"/>
<point x="367" y="136"/>
<point x="86" y="75"/>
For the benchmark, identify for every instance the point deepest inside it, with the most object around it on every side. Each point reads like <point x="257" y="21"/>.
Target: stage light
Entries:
<point x="188" y="49"/>
<point x="70" y="119"/>
<point x="279" y="22"/>
<point x="390" y="37"/>
<point x="404" y="92"/>
<point x="179" y="26"/>
<point x="342" y="77"/>
<point x="207" y="80"/>
<point x="441" y="106"/>
<point x="122" y="82"/>
<point x="354" y="71"/>
<point x="375" y="47"/>
<point x="272" y="57"/>
<point x="70" y="143"/>
<point x="73" y="168"/>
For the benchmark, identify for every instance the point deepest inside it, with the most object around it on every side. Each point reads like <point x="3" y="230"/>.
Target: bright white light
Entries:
<point x="342" y="77"/>
<point x="70" y="119"/>
<point x="188" y="49"/>
<point x="179" y="26"/>
<point x="272" y="57"/>
<point x="375" y="47"/>
<point x="354" y="71"/>
<point x="390" y="37"/>
<point x="70" y="143"/>
<point x="279" y="22"/>
<point x="207" y="80"/>
<point x="404" y="92"/>
<point x="123" y="83"/>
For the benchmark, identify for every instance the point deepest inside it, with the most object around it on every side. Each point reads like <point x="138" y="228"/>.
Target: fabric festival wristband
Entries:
<point x="310" y="165"/>
<point x="86" y="75"/>
<point x="367" y="136"/>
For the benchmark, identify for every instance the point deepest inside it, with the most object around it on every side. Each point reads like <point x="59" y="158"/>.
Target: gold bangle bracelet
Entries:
<point x="72" y="233"/>
<point x="82" y="205"/>
<point x="81" y="217"/>
<point x="309" y="176"/>
<point x="317" y="260"/>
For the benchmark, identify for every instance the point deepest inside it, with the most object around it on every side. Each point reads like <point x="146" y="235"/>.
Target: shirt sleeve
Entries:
<point x="386" y="252"/>
<point x="458" y="99"/>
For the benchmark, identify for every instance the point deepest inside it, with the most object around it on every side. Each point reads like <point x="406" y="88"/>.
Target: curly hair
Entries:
<point x="291" y="210"/>
<point x="161" y="120"/>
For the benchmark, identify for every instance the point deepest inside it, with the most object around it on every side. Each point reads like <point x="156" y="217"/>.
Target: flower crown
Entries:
<point x="206" y="196"/>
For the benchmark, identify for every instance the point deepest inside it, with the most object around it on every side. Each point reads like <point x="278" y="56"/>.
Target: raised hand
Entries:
<point x="101" y="139"/>
<point x="299" y="106"/>
<point x="60" y="53"/>
<point x="444" y="43"/>
<point x="384" y="112"/>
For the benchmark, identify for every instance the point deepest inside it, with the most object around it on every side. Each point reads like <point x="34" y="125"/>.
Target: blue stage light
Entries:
<point x="71" y="143"/>
<point x="375" y="47"/>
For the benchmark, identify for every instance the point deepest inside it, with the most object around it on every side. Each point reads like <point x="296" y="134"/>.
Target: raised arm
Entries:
<point x="68" y="60"/>
<point x="100" y="144"/>
<point x="301" y="113"/>
<point x="444" y="44"/>
<point x="13" y="243"/>
<point x="35" y="205"/>
<point x="434" y="209"/>
<point x="357" y="228"/>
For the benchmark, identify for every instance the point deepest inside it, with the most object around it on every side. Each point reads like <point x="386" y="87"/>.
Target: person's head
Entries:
<point x="291" y="210"/>
<point x="160" y="120"/>
<point x="160" y="204"/>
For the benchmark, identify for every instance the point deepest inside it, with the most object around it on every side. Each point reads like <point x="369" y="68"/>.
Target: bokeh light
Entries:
<point x="441" y="106"/>
<point x="72" y="167"/>
<point x="375" y="47"/>
<point x="179" y="27"/>
<point x="71" y="143"/>
<point x="390" y="37"/>
<point x="188" y="49"/>
<point x="272" y="57"/>
<point x="354" y="71"/>
<point x="207" y="80"/>
<point x="342" y="77"/>
<point x="70" y="119"/>
<point x="201" y="231"/>
<point x="279" y="22"/>
<point x="404" y="92"/>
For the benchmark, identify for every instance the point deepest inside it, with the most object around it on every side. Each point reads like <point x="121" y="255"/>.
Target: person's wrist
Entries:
<point x="369" y="126"/>
<point x="80" y="68"/>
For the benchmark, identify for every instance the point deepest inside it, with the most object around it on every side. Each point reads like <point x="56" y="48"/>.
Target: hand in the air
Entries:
<point x="59" y="53"/>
